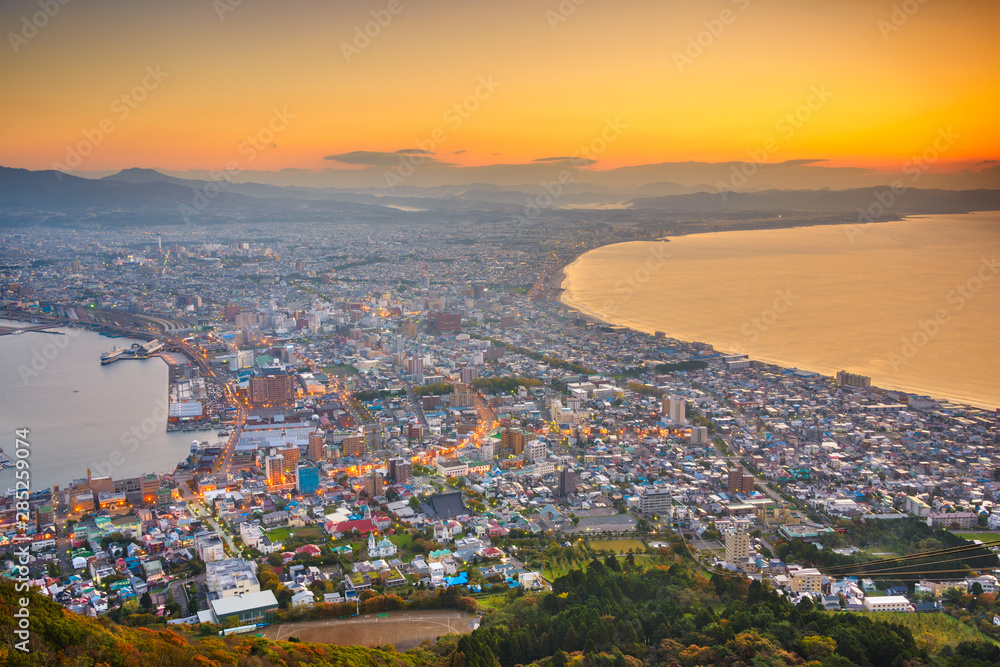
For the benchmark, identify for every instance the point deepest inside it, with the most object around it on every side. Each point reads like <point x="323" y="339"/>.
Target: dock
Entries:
<point x="137" y="351"/>
<point x="40" y="328"/>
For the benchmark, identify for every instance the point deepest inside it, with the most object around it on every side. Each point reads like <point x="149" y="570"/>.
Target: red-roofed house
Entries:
<point x="363" y="526"/>
<point x="491" y="552"/>
<point x="309" y="550"/>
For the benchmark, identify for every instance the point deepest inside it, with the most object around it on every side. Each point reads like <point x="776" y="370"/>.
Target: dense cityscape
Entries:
<point x="406" y="409"/>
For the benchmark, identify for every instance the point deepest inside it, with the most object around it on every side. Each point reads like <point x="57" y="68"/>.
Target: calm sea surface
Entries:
<point x="83" y="414"/>
<point x="914" y="304"/>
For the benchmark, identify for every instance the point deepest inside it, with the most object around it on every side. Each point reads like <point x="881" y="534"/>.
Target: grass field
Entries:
<point x="492" y="601"/>
<point x="306" y="533"/>
<point x="402" y="540"/>
<point x="617" y="546"/>
<point x="982" y="537"/>
<point x="278" y="534"/>
<point x="402" y="629"/>
<point x="945" y="629"/>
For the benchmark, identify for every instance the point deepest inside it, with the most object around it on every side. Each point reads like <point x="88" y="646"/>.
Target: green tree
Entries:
<point x="817" y="646"/>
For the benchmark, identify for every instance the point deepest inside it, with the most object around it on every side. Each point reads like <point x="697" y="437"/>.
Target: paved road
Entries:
<point x="176" y="591"/>
<point x="203" y="514"/>
<point x="486" y="416"/>
<point x="418" y="405"/>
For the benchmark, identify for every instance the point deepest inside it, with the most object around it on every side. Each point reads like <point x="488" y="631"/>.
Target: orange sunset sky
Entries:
<point x="561" y="71"/>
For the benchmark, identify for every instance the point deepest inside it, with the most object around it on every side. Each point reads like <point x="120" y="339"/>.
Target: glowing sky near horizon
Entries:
<point x="689" y="81"/>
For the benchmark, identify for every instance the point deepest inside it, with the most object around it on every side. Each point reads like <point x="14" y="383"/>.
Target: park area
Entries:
<point x="403" y="629"/>
<point x="616" y="546"/>
<point x="304" y="532"/>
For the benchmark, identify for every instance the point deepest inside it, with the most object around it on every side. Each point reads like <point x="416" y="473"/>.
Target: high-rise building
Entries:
<point x="805" y="580"/>
<point x="699" y="435"/>
<point x="675" y="409"/>
<point x="845" y="379"/>
<point x="655" y="500"/>
<point x="468" y="374"/>
<point x="274" y="469"/>
<point x="307" y="478"/>
<point x="445" y="321"/>
<point x="415" y="366"/>
<point x="354" y="445"/>
<point x="462" y="397"/>
<point x="231" y="577"/>
<point x="737" y="547"/>
<point x="150" y="485"/>
<point x="317" y="439"/>
<point x="291" y="455"/>
<point x="272" y="389"/>
<point x="535" y="450"/>
<point x="373" y="484"/>
<point x="400" y="470"/>
<point x="567" y="481"/>
<point x="739" y="481"/>
<point x="512" y="440"/>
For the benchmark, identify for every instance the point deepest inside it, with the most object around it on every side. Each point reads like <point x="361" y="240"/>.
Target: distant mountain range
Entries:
<point x="146" y="196"/>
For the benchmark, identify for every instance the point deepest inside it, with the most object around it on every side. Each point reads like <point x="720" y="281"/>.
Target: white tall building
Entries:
<point x="675" y="408"/>
<point x="208" y="546"/>
<point x="535" y="450"/>
<point x="737" y="547"/>
<point x="274" y="469"/>
<point x="230" y="577"/>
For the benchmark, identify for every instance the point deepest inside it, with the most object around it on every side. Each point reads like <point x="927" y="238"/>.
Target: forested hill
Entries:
<point x="609" y="614"/>
<point x="60" y="637"/>
<point x="614" y="615"/>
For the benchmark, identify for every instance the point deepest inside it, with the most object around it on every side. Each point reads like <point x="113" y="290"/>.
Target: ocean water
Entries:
<point x="913" y="304"/>
<point x="81" y="414"/>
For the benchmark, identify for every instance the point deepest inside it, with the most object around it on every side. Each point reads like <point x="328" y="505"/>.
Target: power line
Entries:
<point x="915" y="556"/>
<point x="909" y="568"/>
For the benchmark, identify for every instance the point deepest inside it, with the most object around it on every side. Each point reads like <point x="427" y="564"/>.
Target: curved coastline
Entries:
<point x="565" y="297"/>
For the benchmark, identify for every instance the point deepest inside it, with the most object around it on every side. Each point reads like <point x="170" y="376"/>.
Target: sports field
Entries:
<point x="402" y="629"/>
